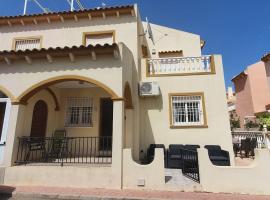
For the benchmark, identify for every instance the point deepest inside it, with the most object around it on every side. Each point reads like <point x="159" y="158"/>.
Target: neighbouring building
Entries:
<point x="231" y="99"/>
<point x="252" y="89"/>
<point x="91" y="90"/>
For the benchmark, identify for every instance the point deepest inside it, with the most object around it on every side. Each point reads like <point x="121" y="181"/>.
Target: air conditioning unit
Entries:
<point x="149" y="89"/>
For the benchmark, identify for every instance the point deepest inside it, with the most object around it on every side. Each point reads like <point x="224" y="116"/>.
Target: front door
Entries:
<point x="106" y="123"/>
<point x="39" y="119"/>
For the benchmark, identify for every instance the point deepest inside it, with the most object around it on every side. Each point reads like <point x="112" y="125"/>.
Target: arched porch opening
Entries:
<point x="128" y="126"/>
<point x="82" y="122"/>
<point x="128" y="96"/>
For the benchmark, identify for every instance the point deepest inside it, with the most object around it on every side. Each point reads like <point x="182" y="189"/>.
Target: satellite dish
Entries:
<point x="149" y="31"/>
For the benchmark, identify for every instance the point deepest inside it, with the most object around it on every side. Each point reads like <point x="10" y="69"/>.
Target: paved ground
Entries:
<point x="243" y="161"/>
<point x="43" y="193"/>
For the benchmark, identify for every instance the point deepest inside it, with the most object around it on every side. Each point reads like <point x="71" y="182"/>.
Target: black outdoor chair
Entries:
<point x="35" y="148"/>
<point x="248" y="145"/>
<point x="174" y="156"/>
<point x="236" y="149"/>
<point x="151" y="153"/>
<point x="253" y="146"/>
<point x="217" y="155"/>
<point x="58" y="145"/>
<point x="192" y="147"/>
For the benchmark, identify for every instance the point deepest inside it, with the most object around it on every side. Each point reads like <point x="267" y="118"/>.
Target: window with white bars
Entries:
<point x="29" y="43"/>
<point x="187" y="110"/>
<point x="79" y="111"/>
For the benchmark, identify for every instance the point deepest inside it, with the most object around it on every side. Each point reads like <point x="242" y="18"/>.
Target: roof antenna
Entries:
<point x="149" y="30"/>
<point x="45" y="10"/>
<point x="71" y="3"/>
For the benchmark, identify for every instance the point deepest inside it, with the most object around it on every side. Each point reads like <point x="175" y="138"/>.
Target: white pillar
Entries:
<point x="117" y="145"/>
<point x="14" y="130"/>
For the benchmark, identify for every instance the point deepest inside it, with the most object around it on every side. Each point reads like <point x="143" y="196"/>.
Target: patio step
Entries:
<point x="176" y="181"/>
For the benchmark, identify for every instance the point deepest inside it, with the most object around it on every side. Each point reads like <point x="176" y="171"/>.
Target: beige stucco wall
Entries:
<point x="153" y="174"/>
<point x="252" y="179"/>
<point x="70" y="33"/>
<point x="68" y="176"/>
<point x="28" y="113"/>
<point x="22" y="76"/>
<point x="56" y="119"/>
<point x="155" y="124"/>
<point x="169" y="39"/>
<point x="96" y="94"/>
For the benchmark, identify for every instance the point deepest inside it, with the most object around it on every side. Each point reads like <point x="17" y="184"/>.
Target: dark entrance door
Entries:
<point x="106" y="123"/>
<point x="2" y="116"/>
<point x="39" y="120"/>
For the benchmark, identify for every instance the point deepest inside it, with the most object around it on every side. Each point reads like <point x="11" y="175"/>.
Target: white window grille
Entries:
<point x="31" y="43"/>
<point x="79" y="111"/>
<point x="101" y="39"/>
<point x="187" y="110"/>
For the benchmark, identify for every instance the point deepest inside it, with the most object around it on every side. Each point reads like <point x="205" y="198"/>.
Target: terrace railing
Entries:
<point x="241" y="135"/>
<point x="84" y="150"/>
<point x="180" y="65"/>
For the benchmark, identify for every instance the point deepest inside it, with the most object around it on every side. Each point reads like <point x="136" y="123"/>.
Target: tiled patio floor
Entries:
<point x="38" y="193"/>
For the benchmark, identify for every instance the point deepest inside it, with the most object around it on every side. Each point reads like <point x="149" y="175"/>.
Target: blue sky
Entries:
<point x="237" y="29"/>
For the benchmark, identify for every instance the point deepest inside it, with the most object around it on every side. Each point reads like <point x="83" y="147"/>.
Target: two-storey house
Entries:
<point x="79" y="87"/>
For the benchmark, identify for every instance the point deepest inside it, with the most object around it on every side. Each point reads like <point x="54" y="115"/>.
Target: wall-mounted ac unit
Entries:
<point x="149" y="89"/>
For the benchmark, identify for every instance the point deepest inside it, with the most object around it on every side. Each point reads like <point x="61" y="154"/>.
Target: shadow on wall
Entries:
<point x="149" y="105"/>
<point x="69" y="25"/>
<point x="6" y="192"/>
<point x="63" y="64"/>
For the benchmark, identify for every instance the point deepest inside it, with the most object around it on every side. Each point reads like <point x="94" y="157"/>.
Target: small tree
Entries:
<point x="251" y="124"/>
<point x="235" y="123"/>
<point x="264" y="119"/>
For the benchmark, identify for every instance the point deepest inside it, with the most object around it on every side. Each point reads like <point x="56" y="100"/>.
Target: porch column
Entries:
<point x="117" y="145"/>
<point x="14" y="130"/>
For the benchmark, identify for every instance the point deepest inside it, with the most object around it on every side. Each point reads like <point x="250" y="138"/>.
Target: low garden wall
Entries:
<point x="137" y="176"/>
<point x="252" y="179"/>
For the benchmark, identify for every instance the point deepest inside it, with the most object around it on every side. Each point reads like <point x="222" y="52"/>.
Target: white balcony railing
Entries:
<point x="179" y="65"/>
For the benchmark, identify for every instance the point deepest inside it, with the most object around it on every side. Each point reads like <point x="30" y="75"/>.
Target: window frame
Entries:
<point x="203" y="125"/>
<point x="96" y="33"/>
<point x="80" y="113"/>
<point x="27" y="38"/>
<point x="4" y="132"/>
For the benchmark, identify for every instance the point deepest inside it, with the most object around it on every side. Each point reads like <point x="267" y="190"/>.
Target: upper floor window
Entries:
<point x="168" y="54"/>
<point x="102" y="37"/>
<point x="79" y="112"/>
<point x="187" y="110"/>
<point x="27" y="43"/>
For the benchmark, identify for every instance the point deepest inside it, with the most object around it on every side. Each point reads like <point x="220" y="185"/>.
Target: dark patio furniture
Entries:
<point x="58" y="146"/>
<point x="236" y="149"/>
<point x="217" y="155"/>
<point x="248" y="145"/>
<point x="176" y="153"/>
<point x="174" y="156"/>
<point x="33" y="145"/>
<point x="193" y="147"/>
<point x="151" y="153"/>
